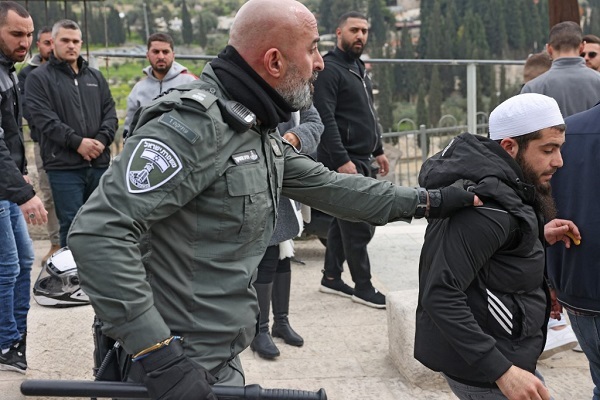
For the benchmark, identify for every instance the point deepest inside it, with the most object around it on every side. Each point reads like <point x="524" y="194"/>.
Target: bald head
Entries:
<point x="278" y="39"/>
<point x="260" y="25"/>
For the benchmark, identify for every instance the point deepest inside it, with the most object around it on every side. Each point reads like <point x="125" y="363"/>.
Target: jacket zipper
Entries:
<point x="370" y="107"/>
<point x="82" y="115"/>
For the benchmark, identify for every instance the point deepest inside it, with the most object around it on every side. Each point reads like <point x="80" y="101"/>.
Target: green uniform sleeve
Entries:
<point x="346" y="196"/>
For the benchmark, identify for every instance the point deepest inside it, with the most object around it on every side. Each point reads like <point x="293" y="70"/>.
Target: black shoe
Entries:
<point x="13" y="360"/>
<point x="335" y="286"/>
<point x="371" y="297"/>
<point x="282" y="329"/>
<point x="264" y="346"/>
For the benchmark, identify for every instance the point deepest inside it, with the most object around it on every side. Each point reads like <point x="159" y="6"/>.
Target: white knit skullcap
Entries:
<point x="523" y="114"/>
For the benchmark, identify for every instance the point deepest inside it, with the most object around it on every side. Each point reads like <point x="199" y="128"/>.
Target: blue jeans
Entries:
<point x="70" y="190"/>
<point x="587" y="330"/>
<point x="466" y="392"/>
<point x="16" y="259"/>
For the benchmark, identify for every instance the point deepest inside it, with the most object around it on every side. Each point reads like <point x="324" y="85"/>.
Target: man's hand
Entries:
<point x="292" y="139"/>
<point x="562" y="229"/>
<point x="384" y="164"/>
<point x="348" y="168"/>
<point x="34" y="211"/>
<point x="170" y="375"/>
<point x="518" y="384"/>
<point x="90" y="149"/>
<point x="446" y="201"/>
<point x="555" y="307"/>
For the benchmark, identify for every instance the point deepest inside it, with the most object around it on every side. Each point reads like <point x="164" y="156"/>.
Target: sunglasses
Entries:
<point x="591" y="54"/>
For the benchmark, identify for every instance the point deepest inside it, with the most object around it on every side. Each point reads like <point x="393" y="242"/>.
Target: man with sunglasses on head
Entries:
<point x="591" y="49"/>
<point x="574" y="86"/>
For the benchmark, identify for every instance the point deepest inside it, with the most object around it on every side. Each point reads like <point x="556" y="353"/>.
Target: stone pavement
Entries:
<point x="346" y="344"/>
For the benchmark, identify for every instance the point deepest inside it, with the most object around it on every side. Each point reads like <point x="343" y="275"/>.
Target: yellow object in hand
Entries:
<point x="576" y="241"/>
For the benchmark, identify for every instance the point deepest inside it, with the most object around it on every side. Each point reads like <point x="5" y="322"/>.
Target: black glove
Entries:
<point x="169" y="375"/>
<point x="446" y="201"/>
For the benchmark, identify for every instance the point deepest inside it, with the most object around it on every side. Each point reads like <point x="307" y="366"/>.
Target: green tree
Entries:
<point x="533" y="28"/>
<point x="207" y="23"/>
<point x="426" y="11"/>
<point x="434" y="33"/>
<point x="405" y="80"/>
<point x="116" y="30"/>
<point x="331" y="10"/>
<point x="326" y="17"/>
<point x="434" y="97"/>
<point x="495" y="28"/>
<point x="385" y="84"/>
<point x="514" y="25"/>
<point x="187" y="30"/>
<point x="379" y="27"/>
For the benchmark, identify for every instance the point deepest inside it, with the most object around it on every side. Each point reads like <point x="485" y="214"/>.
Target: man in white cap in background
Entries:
<point x="483" y="298"/>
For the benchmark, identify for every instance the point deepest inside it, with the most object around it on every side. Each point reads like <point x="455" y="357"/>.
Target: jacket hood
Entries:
<point x="474" y="158"/>
<point x="36" y="61"/>
<point x="487" y="169"/>
<point x="173" y="72"/>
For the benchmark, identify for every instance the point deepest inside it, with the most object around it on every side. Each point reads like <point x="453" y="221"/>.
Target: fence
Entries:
<point x="407" y="150"/>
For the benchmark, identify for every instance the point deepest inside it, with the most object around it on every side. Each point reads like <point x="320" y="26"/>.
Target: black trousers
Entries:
<point x="271" y="264"/>
<point x="347" y="241"/>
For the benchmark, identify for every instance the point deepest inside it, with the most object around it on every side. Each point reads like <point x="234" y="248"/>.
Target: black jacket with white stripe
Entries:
<point x="483" y="300"/>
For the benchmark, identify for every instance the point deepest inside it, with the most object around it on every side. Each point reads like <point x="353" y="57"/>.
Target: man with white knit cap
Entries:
<point x="483" y="298"/>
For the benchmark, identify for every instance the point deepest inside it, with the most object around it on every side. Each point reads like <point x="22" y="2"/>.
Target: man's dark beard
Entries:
<point x="350" y="51"/>
<point x="543" y="202"/>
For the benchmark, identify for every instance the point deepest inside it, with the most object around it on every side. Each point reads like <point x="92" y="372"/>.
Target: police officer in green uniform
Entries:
<point x="202" y="174"/>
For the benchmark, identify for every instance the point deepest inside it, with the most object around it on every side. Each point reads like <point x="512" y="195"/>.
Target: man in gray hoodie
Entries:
<point x="163" y="73"/>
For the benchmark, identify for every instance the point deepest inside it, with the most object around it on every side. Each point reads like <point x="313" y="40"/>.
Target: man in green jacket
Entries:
<point x="202" y="174"/>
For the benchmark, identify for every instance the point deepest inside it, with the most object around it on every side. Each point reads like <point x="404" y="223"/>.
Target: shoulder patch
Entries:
<point x="203" y="97"/>
<point x="179" y="127"/>
<point x="151" y="165"/>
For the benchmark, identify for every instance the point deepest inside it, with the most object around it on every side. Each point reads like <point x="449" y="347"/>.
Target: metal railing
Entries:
<point x="410" y="148"/>
<point x="407" y="150"/>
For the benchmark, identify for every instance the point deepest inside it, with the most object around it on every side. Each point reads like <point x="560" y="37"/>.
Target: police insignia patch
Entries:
<point x="151" y="165"/>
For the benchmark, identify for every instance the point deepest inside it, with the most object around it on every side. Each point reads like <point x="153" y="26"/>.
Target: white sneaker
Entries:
<point x="559" y="340"/>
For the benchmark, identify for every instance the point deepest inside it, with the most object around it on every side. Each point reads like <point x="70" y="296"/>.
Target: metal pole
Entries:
<point x="424" y="142"/>
<point x="472" y="98"/>
<point x="146" y="21"/>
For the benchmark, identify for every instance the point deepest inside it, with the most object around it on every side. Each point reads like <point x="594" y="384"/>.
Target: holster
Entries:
<point x="111" y="361"/>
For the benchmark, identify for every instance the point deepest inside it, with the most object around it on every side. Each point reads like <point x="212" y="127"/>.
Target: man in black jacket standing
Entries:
<point x="483" y="301"/>
<point x="17" y="197"/>
<point x="76" y="117"/>
<point x="344" y="98"/>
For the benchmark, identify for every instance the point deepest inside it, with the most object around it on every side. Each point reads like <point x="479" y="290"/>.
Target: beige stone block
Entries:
<point x="401" y="306"/>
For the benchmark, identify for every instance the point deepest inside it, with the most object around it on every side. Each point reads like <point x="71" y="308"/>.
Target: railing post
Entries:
<point x="472" y="98"/>
<point x="424" y="144"/>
